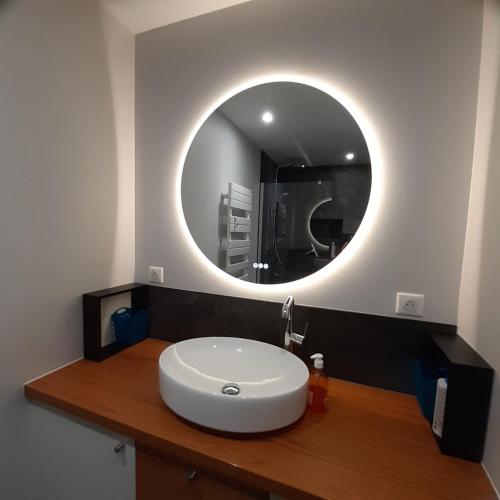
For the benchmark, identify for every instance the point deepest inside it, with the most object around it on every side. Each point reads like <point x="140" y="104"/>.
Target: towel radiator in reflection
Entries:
<point x="238" y="228"/>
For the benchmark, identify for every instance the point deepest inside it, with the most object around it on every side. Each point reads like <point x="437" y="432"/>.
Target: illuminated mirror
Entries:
<point x="276" y="183"/>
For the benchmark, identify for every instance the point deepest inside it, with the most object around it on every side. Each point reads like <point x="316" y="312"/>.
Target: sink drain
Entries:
<point x="230" y="389"/>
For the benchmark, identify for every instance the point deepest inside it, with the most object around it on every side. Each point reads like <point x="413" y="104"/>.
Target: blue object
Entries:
<point x="426" y="376"/>
<point x="130" y="326"/>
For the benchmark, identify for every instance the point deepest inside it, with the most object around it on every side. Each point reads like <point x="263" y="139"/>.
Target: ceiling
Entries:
<point x="309" y="126"/>
<point x="144" y="15"/>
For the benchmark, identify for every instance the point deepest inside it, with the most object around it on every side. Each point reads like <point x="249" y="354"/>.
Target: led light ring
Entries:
<point x="315" y="242"/>
<point x="372" y="210"/>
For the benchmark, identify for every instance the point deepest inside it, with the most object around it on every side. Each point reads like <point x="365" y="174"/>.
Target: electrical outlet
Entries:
<point x="155" y="274"/>
<point x="410" y="304"/>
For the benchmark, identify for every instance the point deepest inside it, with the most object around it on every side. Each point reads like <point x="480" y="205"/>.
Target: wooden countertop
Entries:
<point x="371" y="444"/>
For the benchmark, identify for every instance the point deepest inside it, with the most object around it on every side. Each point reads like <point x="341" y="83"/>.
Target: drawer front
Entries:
<point x="159" y="478"/>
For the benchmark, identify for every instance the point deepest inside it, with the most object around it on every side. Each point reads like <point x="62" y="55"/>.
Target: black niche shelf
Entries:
<point x="92" y="318"/>
<point x="470" y="383"/>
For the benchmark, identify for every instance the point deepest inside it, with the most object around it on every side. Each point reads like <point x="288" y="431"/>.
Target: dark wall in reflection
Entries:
<point x="289" y="200"/>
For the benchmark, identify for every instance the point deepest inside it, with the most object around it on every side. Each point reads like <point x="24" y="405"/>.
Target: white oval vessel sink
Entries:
<point x="232" y="384"/>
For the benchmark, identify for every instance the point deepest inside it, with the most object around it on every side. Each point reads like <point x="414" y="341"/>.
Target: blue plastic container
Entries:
<point x="130" y="326"/>
<point x="426" y="376"/>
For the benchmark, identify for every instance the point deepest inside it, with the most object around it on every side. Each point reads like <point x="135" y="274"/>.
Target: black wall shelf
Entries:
<point x="92" y="318"/>
<point x="470" y="383"/>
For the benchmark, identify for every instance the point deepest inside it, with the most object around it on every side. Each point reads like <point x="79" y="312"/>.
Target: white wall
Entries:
<point x="66" y="195"/>
<point x="412" y="67"/>
<point x="219" y="154"/>
<point x="478" y="314"/>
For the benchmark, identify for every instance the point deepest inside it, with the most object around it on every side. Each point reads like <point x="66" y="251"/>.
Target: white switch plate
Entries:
<point x="410" y="304"/>
<point x="155" y="274"/>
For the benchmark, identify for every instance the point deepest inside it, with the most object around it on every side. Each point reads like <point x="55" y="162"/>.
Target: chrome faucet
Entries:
<point x="290" y="335"/>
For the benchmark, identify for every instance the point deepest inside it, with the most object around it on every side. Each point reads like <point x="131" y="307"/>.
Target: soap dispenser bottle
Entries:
<point x="318" y="385"/>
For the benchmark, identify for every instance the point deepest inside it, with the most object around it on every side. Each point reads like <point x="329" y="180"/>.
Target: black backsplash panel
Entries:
<point x="363" y="348"/>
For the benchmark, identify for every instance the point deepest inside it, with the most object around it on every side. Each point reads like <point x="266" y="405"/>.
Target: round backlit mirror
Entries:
<point x="276" y="183"/>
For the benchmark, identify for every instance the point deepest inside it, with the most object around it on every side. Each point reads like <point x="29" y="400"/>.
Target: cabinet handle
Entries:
<point x="191" y="476"/>
<point x="119" y="447"/>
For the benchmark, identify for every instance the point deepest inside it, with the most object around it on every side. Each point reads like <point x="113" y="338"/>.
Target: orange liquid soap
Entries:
<point x="318" y="386"/>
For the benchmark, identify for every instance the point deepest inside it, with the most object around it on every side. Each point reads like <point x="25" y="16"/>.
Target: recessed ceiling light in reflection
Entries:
<point x="349" y="156"/>
<point x="267" y="117"/>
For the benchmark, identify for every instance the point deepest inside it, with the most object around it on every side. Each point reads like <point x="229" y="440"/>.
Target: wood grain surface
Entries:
<point x="371" y="444"/>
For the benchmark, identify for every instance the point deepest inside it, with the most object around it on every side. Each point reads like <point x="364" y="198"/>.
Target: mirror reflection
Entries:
<point x="276" y="183"/>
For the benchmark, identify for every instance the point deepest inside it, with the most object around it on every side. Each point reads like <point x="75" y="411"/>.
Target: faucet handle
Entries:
<point x="297" y="338"/>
